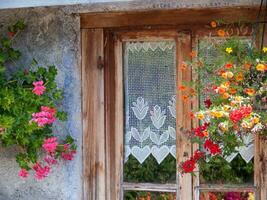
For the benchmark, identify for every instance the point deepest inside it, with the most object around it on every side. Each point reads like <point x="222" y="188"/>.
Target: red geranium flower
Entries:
<point x="212" y="147"/>
<point x="188" y="166"/>
<point x="207" y="103"/>
<point x="198" y="155"/>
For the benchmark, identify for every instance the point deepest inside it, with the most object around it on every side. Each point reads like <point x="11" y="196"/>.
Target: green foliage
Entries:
<point x="18" y="102"/>
<point x="219" y="171"/>
<point x="150" y="170"/>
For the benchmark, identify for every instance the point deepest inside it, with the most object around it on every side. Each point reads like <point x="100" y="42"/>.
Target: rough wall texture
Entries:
<point x="53" y="37"/>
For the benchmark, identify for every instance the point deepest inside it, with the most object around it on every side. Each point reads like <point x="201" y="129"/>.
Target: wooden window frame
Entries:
<point x="102" y="94"/>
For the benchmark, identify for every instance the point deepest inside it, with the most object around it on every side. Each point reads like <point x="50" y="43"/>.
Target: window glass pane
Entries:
<point x="150" y="114"/>
<point x="237" y="167"/>
<point x="240" y="195"/>
<point x="144" y="195"/>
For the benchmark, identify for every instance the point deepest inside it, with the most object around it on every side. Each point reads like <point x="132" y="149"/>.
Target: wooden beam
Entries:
<point x="184" y="150"/>
<point x="151" y="187"/>
<point x="93" y="115"/>
<point x="192" y="16"/>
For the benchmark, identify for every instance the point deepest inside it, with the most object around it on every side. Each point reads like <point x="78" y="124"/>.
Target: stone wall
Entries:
<point x="52" y="37"/>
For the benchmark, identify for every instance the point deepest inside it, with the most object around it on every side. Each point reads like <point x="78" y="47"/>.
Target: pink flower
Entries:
<point x="50" y="160"/>
<point x="23" y="173"/>
<point x="50" y="144"/>
<point x="41" y="172"/>
<point x="39" y="87"/>
<point x="68" y="155"/>
<point x="46" y="116"/>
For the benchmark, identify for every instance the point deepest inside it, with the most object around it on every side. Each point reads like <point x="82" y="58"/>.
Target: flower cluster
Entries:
<point x="45" y="116"/>
<point x="236" y="95"/>
<point x="29" y="108"/>
<point x="39" y="87"/>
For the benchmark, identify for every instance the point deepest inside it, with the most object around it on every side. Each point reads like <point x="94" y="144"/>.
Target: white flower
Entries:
<point x="257" y="128"/>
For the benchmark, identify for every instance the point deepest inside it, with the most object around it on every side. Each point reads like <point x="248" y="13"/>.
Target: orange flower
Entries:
<point x="193" y="54"/>
<point x="247" y="66"/>
<point x="221" y="71"/>
<point x="226" y="84"/>
<point x="250" y="91"/>
<point x="213" y="24"/>
<point x="239" y="77"/>
<point x="221" y="90"/>
<point x="261" y="67"/>
<point x="232" y="90"/>
<point x="226" y="95"/>
<point x="192" y="115"/>
<point x="228" y="65"/>
<point x="205" y="133"/>
<point x="221" y="33"/>
<point x="185" y="98"/>
<point x="183" y="66"/>
<point x="182" y="88"/>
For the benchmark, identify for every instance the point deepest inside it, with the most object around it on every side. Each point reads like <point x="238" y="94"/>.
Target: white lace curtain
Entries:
<point x="150" y="104"/>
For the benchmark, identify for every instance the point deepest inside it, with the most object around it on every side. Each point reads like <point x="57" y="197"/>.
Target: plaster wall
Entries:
<point x="52" y="36"/>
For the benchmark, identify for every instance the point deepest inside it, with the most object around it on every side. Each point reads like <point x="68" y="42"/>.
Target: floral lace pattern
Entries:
<point x="152" y="139"/>
<point x="150" y="104"/>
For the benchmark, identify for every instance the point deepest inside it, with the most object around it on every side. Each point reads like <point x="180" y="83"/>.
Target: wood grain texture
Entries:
<point x="193" y="16"/>
<point x="184" y="146"/>
<point x="93" y="115"/>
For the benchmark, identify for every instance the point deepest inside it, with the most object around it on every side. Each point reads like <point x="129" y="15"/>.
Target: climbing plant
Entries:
<point x="30" y="104"/>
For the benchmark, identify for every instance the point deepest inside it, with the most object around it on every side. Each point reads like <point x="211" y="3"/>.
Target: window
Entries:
<point x="115" y="102"/>
<point x="232" y="177"/>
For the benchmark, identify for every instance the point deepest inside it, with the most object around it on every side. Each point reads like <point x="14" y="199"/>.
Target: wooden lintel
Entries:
<point x="192" y="16"/>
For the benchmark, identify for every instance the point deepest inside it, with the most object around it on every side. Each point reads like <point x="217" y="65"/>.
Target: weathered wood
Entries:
<point x="193" y="16"/>
<point x="226" y="188"/>
<point x="262" y="167"/>
<point x="109" y="114"/>
<point x="119" y="119"/>
<point x="93" y="115"/>
<point x="184" y="146"/>
<point x="195" y="122"/>
<point x="150" y="187"/>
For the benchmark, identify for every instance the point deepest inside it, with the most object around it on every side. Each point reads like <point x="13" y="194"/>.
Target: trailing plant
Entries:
<point x="235" y="104"/>
<point x="29" y="105"/>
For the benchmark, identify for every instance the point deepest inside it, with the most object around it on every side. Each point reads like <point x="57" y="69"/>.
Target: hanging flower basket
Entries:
<point x="234" y="104"/>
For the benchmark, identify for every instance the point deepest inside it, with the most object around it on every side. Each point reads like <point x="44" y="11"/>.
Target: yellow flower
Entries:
<point x="230" y="74"/>
<point x="238" y="99"/>
<point x="227" y="75"/>
<point x="255" y="120"/>
<point x="217" y="114"/>
<point x="226" y="107"/>
<point x="264" y="49"/>
<point x="250" y="91"/>
<point x="226" y="95"/>
<point x="260" y="67"/>
<point x="229" y="50"/>
<point x="224" y="75"/>
<point x="251" y="196"/>
<point x="223" y="127"/>
<point x="200" y="116"/>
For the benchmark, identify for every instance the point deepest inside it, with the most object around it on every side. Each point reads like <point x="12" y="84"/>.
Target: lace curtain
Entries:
<point x="150" y="104"/>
